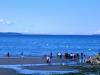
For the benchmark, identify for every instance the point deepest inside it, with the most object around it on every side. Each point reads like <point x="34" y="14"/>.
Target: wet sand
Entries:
<point x="5" y="71"/>
<point x="11" y="66"/>
<point x="48" y="67"/>
<point x="34" y="61"/>
<point x="28" y="60"/>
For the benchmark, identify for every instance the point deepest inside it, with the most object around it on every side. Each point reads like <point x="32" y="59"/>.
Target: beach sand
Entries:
<point x="48" y="68"/>
<point x="28" y="60"/>
<point x="5" y="71"/>
<point x="32" y="60"/>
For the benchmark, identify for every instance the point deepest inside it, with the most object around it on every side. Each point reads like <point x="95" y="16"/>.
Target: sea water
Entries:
<point x="37" y="45"/>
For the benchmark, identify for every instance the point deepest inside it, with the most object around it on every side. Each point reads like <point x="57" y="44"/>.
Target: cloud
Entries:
<point x="5" y="22"/>
<point x="97" y="32"/>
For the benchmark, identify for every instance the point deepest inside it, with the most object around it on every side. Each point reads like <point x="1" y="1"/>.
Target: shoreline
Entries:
<point x="38" y="64"/>
<point x="19" y="64"/>
<point x="84" y="69"/>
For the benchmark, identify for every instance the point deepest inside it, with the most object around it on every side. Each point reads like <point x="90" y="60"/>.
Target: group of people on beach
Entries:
<point x="66" y="56"/>
<point x="72" y="56"/>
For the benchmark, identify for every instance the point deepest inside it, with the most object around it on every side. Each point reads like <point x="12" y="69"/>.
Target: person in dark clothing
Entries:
<point x="66" y="56"/>
<point x="82" y="55"/>
<point x="22" y="54"/>
<point x="77" y="56"/>
<point x="8" y="54"/>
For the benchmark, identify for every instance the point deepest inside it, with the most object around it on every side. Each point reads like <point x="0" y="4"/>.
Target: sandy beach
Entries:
<point x="40" y="60"/>
<point x="28" y="60"/>
<point x="5" y="71"/>
<point x="48" y="68"/>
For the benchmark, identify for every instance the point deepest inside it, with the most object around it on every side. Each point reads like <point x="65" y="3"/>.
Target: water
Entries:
<point x="40" y="45"/>
<point x="24" y="71"/>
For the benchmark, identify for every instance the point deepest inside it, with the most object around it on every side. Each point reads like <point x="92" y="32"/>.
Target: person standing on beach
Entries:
<point x="48" y="59"/>
<point x="59" y="54"/>
<point x="66" y="55"/>
<point x="22" y="54"/>
<point x="8" y="54"/>
<point x="82" y="57"/>
<point x="72" y="55"/>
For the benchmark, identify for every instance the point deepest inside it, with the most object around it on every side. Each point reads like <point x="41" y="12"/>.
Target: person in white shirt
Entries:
<point x="59" y="54"/>
<point x="48" y="59"/>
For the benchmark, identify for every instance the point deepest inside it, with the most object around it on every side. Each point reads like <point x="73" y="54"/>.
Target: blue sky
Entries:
<point x="50" y="16"/>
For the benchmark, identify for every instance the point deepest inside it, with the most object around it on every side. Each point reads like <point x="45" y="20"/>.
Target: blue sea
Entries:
<point x="37" y="45"/>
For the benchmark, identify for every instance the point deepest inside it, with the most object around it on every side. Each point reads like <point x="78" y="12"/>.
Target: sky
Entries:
<point x="50" y="16"/>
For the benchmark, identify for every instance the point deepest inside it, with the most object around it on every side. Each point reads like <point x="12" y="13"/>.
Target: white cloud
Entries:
<point x="1" y="20"/>
<point x="97" y="32"/>
<point x="5" y="22"/>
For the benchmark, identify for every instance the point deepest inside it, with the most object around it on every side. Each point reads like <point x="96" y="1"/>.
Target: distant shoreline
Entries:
<point x="26" y="34"/>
